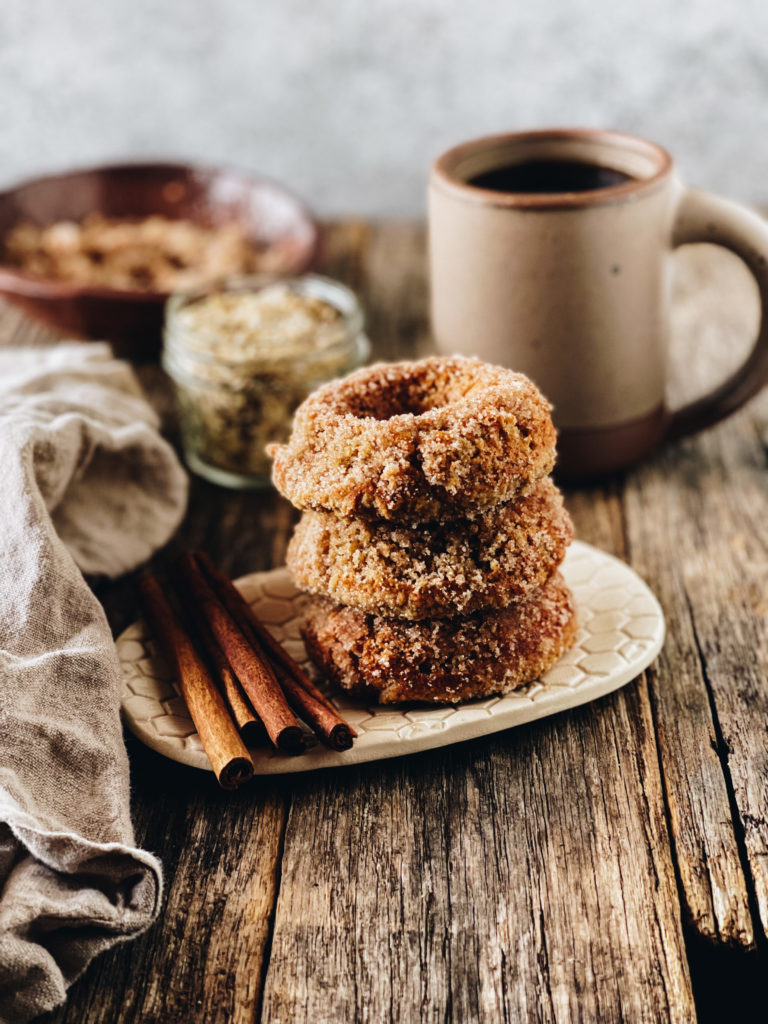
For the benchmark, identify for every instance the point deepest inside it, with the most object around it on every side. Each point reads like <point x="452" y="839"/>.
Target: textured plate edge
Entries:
<point x="189" y="758"/>
<point x="270" y="764"/>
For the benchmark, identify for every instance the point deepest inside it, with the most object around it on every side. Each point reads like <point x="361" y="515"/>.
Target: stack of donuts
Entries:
<point x="432" y="533"/>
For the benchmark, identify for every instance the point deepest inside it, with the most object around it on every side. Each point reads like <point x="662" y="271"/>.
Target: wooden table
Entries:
<point x="608" y="864"/>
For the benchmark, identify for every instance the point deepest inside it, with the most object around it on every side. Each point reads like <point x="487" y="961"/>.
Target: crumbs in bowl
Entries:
<point x="150" y="254"/>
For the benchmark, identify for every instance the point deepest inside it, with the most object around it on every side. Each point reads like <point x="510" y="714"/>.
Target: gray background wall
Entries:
<point x="349" y="100"/>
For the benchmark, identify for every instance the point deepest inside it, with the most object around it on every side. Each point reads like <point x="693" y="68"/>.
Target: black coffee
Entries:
<point x="548" y="176"/>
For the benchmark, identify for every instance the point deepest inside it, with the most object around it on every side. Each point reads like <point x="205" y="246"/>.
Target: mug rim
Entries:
<point x="443" y="178"/>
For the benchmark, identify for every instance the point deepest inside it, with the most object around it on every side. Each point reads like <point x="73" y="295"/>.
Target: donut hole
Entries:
<point x="386" y="395"/>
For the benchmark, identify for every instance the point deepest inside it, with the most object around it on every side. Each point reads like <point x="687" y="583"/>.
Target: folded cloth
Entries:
<point x="86" y="485"/>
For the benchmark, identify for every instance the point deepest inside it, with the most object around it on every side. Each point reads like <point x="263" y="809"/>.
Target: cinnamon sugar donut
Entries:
<point x="442" y="660"/>
<point x="433" y="439"/>
<point x="486" y="560"/>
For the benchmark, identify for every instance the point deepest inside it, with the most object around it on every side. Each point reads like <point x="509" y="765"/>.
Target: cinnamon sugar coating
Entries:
<point x="442" y="660"/>
<point x="433" y="439"/>
<point x="486" y="560"/>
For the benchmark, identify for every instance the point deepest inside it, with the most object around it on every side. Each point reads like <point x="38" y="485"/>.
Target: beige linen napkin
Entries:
<point x="86" y="485"/>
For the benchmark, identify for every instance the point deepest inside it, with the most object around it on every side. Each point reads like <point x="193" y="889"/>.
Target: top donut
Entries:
<point x="416" y="441"/>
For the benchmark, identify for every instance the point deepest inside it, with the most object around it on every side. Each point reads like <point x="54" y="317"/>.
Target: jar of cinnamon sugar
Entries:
<point x="244" y="355"/>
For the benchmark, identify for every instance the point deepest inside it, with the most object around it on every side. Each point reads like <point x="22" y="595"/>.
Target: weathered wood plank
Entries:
<point x="395" y="295"/>
<point x="343" y="252"/>
<point x="526" y="877"/>
<point x="707" y="852"/>
<point x="523" y="877"/>
<point x="697" y="530"/>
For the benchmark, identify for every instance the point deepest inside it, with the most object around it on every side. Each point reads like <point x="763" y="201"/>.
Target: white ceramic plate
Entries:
<point x="622" y="631"/>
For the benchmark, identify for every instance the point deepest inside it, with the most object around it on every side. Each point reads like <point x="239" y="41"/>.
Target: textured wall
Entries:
<point x="349" y="100"/>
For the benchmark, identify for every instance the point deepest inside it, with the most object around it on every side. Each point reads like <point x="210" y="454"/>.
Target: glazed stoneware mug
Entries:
<point x="549" y="254"/>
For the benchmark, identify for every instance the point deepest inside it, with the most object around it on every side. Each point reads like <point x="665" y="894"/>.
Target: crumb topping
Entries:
<point x="422" y="440"/>
<point x="488" y="559"/>
<point x="442" y="660"/>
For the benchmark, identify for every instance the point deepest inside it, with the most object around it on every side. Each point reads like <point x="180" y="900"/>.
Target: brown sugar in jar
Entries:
<point x="244" y="356"/>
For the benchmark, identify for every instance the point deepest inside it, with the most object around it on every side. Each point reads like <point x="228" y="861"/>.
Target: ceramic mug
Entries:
<point x="570" y="287"/>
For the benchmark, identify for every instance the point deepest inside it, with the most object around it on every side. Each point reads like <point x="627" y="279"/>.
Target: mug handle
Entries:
<point x="703" y="217"/>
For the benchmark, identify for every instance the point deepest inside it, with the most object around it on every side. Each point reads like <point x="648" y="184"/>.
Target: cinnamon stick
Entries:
<point x="242" y="612"/>
<point x="228" y="755"/>
<point x="249" y="725"/>
<point x="325" y="722"/>
<point x="255" y="675"/>
<point x="302" y="694"/>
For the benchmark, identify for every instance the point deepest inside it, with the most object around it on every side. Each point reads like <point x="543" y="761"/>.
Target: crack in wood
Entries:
<point x="722" y="749"/>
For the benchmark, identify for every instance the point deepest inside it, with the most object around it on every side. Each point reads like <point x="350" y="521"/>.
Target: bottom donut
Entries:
<point x="441" y="660"/>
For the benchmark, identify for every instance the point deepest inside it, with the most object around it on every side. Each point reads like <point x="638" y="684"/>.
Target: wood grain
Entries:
<point x="696" y="774"/>
<point x="697" y="531"/>
<point x="525" y="878"/>
<point x="396" y="293"/>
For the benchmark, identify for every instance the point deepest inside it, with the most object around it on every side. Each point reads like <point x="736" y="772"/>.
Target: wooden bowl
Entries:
<point x="273" y="219"/>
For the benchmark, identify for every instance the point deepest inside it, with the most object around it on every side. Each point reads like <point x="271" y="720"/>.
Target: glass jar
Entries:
<point x="244" y="354"/>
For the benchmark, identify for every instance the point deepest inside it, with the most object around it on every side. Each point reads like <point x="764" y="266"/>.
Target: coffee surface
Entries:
<point x="548" y="177"/>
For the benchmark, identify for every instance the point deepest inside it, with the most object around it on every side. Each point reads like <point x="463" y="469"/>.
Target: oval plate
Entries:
<point x="621" y="632"/>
